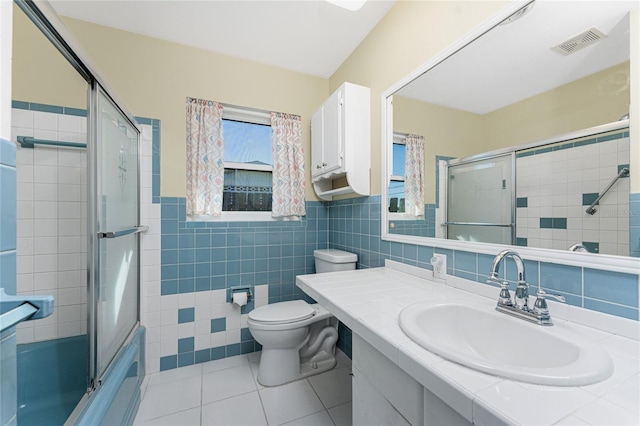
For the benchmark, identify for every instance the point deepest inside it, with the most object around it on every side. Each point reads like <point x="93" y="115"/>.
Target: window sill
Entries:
<point x="239" y="217"/>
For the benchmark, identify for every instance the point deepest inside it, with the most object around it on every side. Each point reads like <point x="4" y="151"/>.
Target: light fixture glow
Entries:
<point x="352" y="5"/>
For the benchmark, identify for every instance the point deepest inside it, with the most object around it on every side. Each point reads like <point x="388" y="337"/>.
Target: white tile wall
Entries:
<point x="554" y="183"/>
<point x="52" y="223"/>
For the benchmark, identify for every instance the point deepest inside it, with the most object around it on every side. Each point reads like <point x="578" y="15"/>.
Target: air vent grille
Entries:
<point x="579" y="42"/>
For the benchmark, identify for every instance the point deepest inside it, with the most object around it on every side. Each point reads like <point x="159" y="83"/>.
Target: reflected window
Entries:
<point x="395" y="202"/>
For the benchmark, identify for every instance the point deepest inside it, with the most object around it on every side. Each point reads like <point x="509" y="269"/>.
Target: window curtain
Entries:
<point x="414" y="176"/>
<point x="288" y="166"/>
<point x="205" y="157"/>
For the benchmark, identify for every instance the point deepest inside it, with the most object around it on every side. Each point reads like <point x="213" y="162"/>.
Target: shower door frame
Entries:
<point x="512" y="195"/>
<point x="49" y="23"/>
<point x="93" y="251"/>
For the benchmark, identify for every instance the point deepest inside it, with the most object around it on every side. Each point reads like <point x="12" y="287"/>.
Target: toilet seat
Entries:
<point x="283" y="312"/>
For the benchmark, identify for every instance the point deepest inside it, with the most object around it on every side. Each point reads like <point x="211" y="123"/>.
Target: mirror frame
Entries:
<point x="596" y="261"/>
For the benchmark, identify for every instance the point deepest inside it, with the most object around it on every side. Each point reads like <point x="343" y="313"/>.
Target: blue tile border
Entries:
<point x="586" y="141"/>
<point x="55" y="109"/>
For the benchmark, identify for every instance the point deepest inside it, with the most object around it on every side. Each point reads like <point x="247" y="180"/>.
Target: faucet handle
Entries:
<point x="540" y="306"/>
<point x="505" y="297"/>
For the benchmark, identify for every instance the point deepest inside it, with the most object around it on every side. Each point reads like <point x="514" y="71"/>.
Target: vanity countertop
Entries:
<point x="369" y="302"/>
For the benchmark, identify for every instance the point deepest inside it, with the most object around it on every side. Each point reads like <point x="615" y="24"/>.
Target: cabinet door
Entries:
<point x="317" y="140"/>
<point x="333" y="146"/>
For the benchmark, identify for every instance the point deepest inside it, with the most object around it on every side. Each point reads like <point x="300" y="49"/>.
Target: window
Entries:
<point x="247" y="166"/>
<point x="396" y="186"/>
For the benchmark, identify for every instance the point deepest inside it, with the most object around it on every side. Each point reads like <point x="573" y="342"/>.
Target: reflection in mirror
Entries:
<point x="523" y="134"/>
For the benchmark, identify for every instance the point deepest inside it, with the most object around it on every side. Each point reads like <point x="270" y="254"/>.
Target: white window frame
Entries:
<point x="247" y="115"/>
<point x="399" y="139"/>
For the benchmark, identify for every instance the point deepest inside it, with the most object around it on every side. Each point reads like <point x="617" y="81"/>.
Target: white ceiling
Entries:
<point x="513" y="62"/>
<point x="312" y="37"/>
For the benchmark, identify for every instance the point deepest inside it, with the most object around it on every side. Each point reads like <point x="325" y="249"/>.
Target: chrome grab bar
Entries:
<point x="504" y="225"/>
<point x="29" y="142"/>
<point x="624" y="172"/>
<point x="15" y="309"/>
<point x="123" y="232"/>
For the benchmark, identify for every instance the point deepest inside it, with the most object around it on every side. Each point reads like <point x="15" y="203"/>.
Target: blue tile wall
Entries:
<point x="609" y="292"/>
<point x="567" y="145"/>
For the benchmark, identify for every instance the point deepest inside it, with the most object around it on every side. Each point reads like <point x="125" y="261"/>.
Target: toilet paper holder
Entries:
<point x="232" y="290"/>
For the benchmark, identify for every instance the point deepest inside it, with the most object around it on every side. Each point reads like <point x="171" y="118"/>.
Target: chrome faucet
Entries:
<point x="579" y="248"/>
<point x="519" y="306"/>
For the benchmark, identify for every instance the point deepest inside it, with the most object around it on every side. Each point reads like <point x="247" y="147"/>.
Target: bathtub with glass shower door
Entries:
<point x="78" y="232"/>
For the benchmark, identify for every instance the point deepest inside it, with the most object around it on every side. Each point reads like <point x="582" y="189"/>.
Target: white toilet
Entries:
<point x="298" y="339"/>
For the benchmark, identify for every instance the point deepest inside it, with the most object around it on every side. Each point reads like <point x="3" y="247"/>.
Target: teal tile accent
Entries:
<point x="585" y="142"/>
<point x="522" y="242"/>
<point x="591" y="246"/>
<point x="589" y="198"/>
<point x="186" y="359"/>
<point x="46" y="108"/>
<point x="203" y="355"/>
<point x="186" y="345"/>
<point x="19" y="105"/>
<point x="624" y="166"/>
<point x="559" y="223"/>
<point x="553" y="223"/>
<point x="610" y="137"/>
<point x="218" y="353"/>
<point x="186" y="315"/>
<point x="522" y="202"/>
<point x="218" y="324"/>
<point x="168" y="362"/>
<point x="615" y="287"/>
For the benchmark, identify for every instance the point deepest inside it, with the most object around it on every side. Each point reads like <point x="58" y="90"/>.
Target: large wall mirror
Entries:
<point x="519" y="136"/>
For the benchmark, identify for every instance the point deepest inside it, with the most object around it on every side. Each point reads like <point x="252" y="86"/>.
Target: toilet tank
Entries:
<point x="331" y="260"/>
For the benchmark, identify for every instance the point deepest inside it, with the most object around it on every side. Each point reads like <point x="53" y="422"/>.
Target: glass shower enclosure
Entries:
<point x="481" y="199"/>
<point x="89" y="181"/>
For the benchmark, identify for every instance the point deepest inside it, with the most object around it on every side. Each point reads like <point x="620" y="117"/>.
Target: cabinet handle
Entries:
<point x="324" y="164"/>
<point x="318" y="166"/>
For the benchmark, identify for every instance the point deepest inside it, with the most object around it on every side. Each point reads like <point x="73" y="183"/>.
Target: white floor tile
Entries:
<point x="254" y="356"/>
<point x="342" y="414"/>
<point x="169" y="398"/>
<point x="320" y="418"/>
<point x="289" y="402"/>
<point x="175" y="374"/>
<point x="241" y="410"/>
<point x="333" y="387"/>
<point x="255" y="367"/>
<point x="227" y="383"/>
<point x="183" y="418"/>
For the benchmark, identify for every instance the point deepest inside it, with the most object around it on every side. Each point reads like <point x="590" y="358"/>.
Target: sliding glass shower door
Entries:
<point x="115" y="247"/>
<point x="481" y="200"/>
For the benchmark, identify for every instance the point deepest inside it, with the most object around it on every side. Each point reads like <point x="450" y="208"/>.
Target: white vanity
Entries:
<point x="398" y="382"/>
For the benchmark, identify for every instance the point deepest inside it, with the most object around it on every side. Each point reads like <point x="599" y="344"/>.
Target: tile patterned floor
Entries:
<point x="226" y="392"/>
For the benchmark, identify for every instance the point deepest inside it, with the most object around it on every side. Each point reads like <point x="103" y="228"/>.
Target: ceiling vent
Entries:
<point x="579" y="42"/>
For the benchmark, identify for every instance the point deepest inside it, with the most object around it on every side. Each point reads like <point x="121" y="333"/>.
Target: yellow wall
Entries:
<point x="597" y="99"/>
<point x="409" y="35"/>
<point x="40" y="73"/>
<point x="448" y="132"/>
<point x="154" y="77"/>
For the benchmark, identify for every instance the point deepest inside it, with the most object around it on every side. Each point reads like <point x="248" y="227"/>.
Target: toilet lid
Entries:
<point x="283" y="312"/>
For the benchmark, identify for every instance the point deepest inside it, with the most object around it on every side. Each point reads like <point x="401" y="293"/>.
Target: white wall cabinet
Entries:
<point x="341" y="143"/>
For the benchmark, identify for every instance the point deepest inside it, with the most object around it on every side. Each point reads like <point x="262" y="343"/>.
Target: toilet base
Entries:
<point x="278" y="366"/>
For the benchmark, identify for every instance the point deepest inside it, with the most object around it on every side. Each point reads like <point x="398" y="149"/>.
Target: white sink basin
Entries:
<point x="495" y="343"/>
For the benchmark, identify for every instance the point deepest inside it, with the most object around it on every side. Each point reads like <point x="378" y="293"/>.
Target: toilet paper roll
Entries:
<point x="240" y="298"/>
